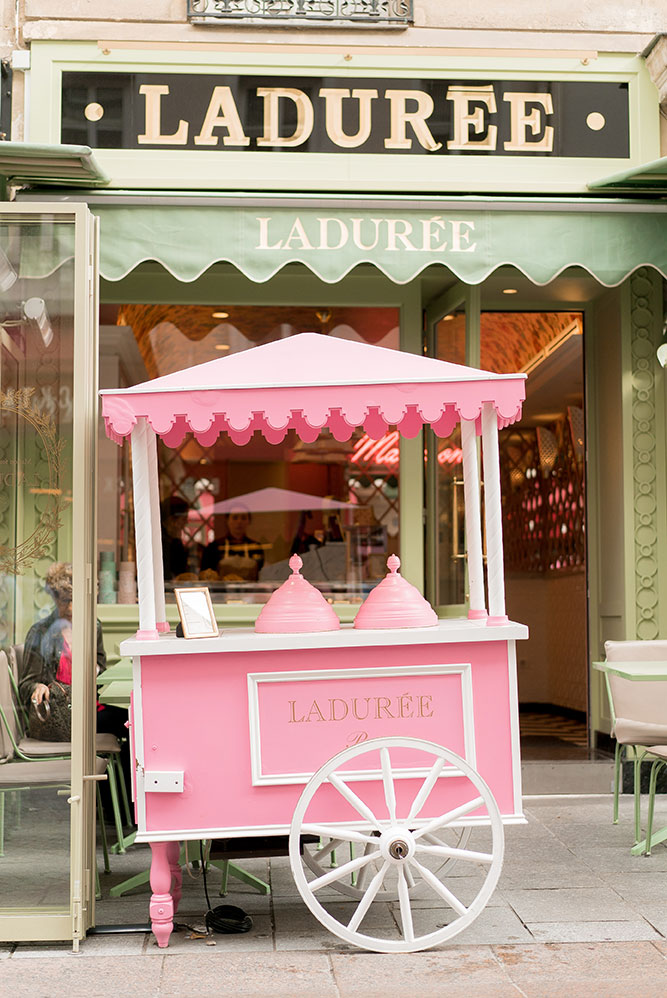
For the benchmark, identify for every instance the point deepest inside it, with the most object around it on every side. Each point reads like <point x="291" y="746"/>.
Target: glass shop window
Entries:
<point x="232" y="516"/>
<point x="36" y="536"/>
<point x="542" y="456"/>
<point x="449" y="538"/>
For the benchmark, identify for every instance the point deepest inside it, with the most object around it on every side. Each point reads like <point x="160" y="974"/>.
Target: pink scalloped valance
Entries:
<point x="308" y="382"/>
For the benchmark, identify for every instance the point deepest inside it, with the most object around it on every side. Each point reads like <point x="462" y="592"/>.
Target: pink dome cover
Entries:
<point x="395" y="602"/>
<point x="296" y="606"/>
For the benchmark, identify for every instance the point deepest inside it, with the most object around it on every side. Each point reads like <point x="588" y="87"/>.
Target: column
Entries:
<point x="473" y="521"/>
<point x="158" y="567"/>
<point x="493" y="516"/>
<point x="143" y="532"/>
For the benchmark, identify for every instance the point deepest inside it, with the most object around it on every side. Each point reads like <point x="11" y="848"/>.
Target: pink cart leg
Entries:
<point x="173" y="856"/>
<point x="162" y="905"/>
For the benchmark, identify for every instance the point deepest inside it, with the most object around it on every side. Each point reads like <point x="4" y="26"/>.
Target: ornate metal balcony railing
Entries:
<point x="385" y="13"/>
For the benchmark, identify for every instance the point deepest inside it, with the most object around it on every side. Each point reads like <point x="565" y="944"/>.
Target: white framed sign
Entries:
<point x="196" y="612"/>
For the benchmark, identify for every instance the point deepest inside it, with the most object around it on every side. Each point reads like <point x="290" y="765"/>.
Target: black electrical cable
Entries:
<point x="225" y="918"/>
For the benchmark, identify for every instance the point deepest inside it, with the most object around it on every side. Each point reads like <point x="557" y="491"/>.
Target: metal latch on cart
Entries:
<point x="163" y="783"/>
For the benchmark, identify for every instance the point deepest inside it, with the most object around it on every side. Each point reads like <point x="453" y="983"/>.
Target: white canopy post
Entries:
<point x="143" y="531"/>
<point x="473" y="520"/>
<point x="158" y="566"/>
<point x="493" y="516"/>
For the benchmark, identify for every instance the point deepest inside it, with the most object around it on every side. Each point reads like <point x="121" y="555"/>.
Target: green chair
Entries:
<point x="28" y="750"/>
<point x="659" y="754"/>
<point x="639" y="714"/>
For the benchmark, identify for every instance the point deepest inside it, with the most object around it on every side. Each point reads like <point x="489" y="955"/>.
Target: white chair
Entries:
<point x="639" y="713"/>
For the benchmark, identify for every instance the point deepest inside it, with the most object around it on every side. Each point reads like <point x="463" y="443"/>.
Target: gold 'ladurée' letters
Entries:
<point x="333" y="709"/>
<point x="473" y="119"/>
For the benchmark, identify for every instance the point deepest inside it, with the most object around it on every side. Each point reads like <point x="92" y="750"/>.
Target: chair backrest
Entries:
<point x="6" y="746"/>
<point x="15" y="656"/>
<point x="638" y="701"/>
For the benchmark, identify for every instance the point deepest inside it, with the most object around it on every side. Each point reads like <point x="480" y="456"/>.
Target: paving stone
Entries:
<point x="278" y="975"/>
<point x="79" y="977"/>
<point x="630" y="962"/>
<point x="579" y="932"/>
<point x="431" y="974"/>
<point x="561" y="905"/>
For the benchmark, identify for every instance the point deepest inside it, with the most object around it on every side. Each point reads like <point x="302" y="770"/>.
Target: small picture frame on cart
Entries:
<point x="196" y="612"/>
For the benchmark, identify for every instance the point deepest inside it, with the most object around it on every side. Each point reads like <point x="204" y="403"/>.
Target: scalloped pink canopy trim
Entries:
<point x="275" y="388"/>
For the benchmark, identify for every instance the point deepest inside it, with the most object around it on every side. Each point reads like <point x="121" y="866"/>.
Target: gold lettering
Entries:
<point x="400" y="118"/>
<point x="424" y="709"/>
<point x="315" y="710"/>
<point x="405" y="708"/>
<point x="222" y="113"/>
<point x="355" y="711"/>
<point x="154" y="92"/>
<point x="305" y="116"/>
<point x="293" y="719"/>
<point x="382" y="704"/>
<point x="332" y="709"/>
<point x="467" y="117"/>
<point x="333" y="105"/>
<point x="522" y="121"/>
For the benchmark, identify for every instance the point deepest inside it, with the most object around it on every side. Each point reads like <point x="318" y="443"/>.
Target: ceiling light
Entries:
<point x="222" y="346"/>
<point x="34" y="310"/>
<point x="220" y="315"/>
<point x="447" y="318"/>
<point x="509" y="291"/>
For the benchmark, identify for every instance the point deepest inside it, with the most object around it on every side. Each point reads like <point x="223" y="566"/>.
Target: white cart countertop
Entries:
<point x="246" y="639"/>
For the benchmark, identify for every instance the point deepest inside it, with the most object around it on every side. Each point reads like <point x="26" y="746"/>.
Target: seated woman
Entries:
<point x="235" y="556"/>
<point x="47" y="655"/>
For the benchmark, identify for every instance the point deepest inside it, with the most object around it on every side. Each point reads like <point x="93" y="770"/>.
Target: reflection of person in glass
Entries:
<point x="47" y="654"/>
<point x="235" y="556"/>
<point x="174" y="517"/>
<point x="305" y="537"/>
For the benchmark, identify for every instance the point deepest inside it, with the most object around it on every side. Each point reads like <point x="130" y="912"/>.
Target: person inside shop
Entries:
<point x="174" y="517"/>
<point x="305" y="537"/>
<point x="47" y="658"/>
<point x="234" y="555"/>
<point x="47" y="652"/>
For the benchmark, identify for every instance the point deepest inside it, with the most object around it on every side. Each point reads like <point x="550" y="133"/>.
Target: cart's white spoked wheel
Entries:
<point x="319" y="860"/>
<point x="396" y="851"/>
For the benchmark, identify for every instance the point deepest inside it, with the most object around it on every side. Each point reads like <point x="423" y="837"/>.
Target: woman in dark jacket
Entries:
<point x="47" y="654"/>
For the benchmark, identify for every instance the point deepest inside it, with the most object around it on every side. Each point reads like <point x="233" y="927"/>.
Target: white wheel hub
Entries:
<point x="397" y="845"/>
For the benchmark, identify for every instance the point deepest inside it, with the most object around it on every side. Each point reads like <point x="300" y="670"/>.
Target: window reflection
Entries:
<point x="232" y="516"/>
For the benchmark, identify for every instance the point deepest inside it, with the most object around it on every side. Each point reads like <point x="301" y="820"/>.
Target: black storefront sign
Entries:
<point x="345" y="115"/>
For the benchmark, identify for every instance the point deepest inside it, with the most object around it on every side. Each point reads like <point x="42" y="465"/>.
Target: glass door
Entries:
<point x="452" y="330"/>
<point x="48" y="407"/>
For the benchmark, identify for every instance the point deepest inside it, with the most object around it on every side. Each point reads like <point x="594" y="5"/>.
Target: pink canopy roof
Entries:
<point x="306" y="382"/>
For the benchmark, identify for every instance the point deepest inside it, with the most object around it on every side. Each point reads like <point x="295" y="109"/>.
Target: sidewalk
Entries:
<point x="574" y="914"/>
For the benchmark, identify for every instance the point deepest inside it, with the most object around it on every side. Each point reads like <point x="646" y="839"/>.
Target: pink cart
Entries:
<point x="389" y="756"/>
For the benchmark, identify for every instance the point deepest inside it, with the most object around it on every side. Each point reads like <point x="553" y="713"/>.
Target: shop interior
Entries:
<point x="231" y="517"/>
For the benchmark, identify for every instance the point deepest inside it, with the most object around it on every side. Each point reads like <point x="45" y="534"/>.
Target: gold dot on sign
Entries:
<point x="596" y="121"/>
<point x="93" y="112"/>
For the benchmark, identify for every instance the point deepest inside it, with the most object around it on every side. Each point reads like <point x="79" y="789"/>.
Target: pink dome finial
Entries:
<point x="295" y="563"/>
<point x="393" y="563"/>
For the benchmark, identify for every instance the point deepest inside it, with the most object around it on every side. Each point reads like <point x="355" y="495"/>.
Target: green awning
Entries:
<point x="649" y="178"/>
<point x="400" y="236"/>
<point x="26" y="163"/>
